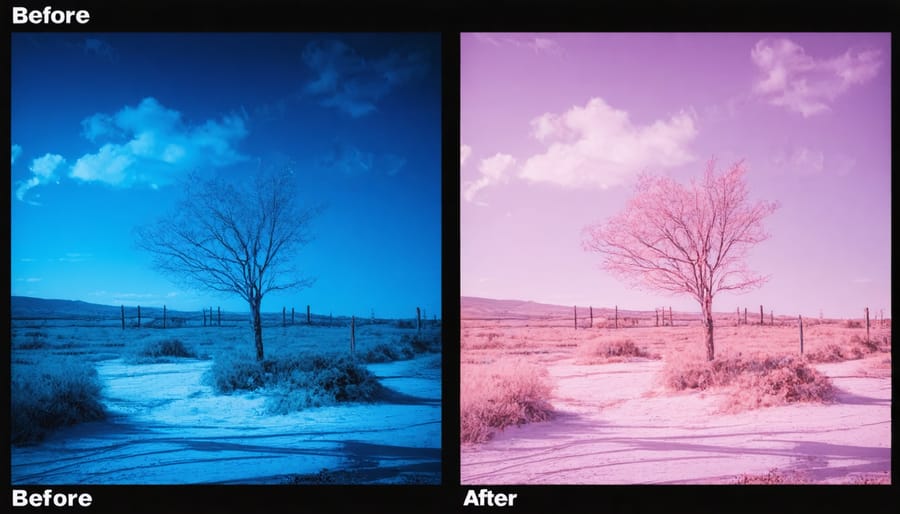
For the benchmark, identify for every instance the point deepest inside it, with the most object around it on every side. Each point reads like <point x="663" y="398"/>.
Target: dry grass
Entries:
<point x="759" y="381"/>
<point x="618" y="350"/>
<point x="507" y="393"/>
<point x="773" y="477"/>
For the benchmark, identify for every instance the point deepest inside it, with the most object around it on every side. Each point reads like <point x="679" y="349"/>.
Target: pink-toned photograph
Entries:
<point x="675" y="258"/>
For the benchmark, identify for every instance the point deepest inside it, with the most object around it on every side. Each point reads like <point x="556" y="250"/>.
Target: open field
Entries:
<point x="165" y="423"/>
<point x="584" y="414"/>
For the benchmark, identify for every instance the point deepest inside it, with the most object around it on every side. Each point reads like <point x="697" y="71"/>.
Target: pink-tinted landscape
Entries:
<point x="739" y="181"/>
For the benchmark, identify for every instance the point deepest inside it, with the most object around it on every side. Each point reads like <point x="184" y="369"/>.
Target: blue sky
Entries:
<point x="104" y="125"/>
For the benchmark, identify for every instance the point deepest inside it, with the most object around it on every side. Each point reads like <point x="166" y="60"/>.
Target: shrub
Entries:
<point x="505" y="395"/>
<point x="757" y="382"/>
<point x="386" y="352"/>
<point x="614" y="351"/>
<point x="831" y="353"/>
<point x="296" y="382"/>
<point x="52" y="394"/>
<point x="167" y="348"/>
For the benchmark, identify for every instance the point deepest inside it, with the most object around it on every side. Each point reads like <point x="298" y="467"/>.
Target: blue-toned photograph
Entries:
<point x="225" y="258"/>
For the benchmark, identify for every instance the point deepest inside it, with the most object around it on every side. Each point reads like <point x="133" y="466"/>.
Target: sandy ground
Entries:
<point x="165" y="426"/>
<point x="617" y="425"/>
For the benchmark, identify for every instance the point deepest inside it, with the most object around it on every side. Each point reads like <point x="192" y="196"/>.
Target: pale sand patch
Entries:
<point x="618" y="425"/>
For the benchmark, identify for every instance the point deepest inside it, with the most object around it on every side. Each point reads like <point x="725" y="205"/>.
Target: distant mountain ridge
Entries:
<point x="30" y="307"/>
<point x="472" y="307"/>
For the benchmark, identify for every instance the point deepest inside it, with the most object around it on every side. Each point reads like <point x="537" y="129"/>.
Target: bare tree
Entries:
<point x="686" y="240"/>
<point x="234" y="238"/>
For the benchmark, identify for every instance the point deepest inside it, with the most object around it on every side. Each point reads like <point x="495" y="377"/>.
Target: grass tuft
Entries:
<point x="613" y="351"/>
<point x="55" y="393"/>
<point x="500" y="396"/>
<point x="755" y="382"/>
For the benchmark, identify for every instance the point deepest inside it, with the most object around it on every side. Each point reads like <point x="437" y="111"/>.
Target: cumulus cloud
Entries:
<point x="43" y="171"/>
<point x="801" y="83"/>
<point x="151" y="143"/>
<point x="350" y="160"/>
<point x="14" y="153"/>
<point x="353" y="84"/>
<point x="492" y="170"/>
<point x="465" y="151"/>
<point x="599" y="146"/>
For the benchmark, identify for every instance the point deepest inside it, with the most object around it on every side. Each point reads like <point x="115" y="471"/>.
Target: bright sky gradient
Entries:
<point x="103" y="124"/>
<point x="555" y="128"/>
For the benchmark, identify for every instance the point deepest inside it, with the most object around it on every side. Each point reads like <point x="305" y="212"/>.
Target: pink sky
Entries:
<point x="555" y="127"/>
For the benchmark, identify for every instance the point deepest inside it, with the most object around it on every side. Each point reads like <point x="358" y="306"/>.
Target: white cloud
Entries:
<point x="801" y="83"/>
<point x="14" y="153"/>
<point x="805" y="161"/>
<point x="599" y="146"/>
<point x="43" y="171"/>
<point x="537" y="44"/>
<point x="465" y="151"/>
<point x="152" y="143"/>
<point x="493" y="171"/>
<point x="353" y="161"/>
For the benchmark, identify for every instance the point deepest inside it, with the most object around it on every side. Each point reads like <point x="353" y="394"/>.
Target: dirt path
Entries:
<point x="616" y="425"/>
<point x="165" y="426"/>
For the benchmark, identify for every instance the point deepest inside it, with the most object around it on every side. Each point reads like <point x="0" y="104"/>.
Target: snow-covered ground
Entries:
<point x="166" y="426"/>
<point x="617" y="425"/>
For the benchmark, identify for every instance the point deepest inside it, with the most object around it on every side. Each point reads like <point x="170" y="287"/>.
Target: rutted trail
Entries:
<point x="617" y="425"/>
<point x="166" y="426"/>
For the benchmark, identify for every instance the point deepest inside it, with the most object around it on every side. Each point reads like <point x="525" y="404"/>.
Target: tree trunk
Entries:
<point x="257" y="328"/>
<point x="708" y="323"/>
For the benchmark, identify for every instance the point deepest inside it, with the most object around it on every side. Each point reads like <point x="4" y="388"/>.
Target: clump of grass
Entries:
<point x="387" y="352"/>
<point x="297" y="382"/>
<point x="37" y="341"/>
<point x="831" y="353"/>
<point x="754" y="382"/>
<point x="51" y="394"/>
<point x="499" y="396"/>
<point x="856" y="348"/>
<point x="168" y="348"/>
<point x="613" y="351"/>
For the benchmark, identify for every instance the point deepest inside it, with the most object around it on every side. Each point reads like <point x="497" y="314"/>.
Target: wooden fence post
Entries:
<point x="617" y="316"/>
<point x="283" y="316"/>
<point x="352" y="334"/>
<point x="591" y="307"/>
<point x="164" y="316"/>
<point x="418" y="320"/>
<point x="575" y="308"/>
<point x="219" y="314"/>
<point x="204" y="316"/>
<point x="307" y="315"/>
<point x="738" y="317"/>
<point x="656" y="311"/>
<point x="801" y="335"/>
<point x="772" y="318"/>
<point x="123" y="317"/>
<point x="745" y="315"/>
<point x="867" y="323"/>
<point x="671" y="319"/>
<point x="139" y="316"/>
<point x="761" y="321"/>
<point x="292" y="315"/>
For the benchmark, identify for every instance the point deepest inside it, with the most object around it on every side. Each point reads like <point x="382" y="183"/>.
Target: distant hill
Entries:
<point x="29" y="307"/>
<point x="472" y="307"/>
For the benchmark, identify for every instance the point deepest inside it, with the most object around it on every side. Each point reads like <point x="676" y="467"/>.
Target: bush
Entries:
<point x="386" y="352"/>
<point x="615" y="351"/>
<point x="296" y="382"/>
<point x="168" y="348"/>
<point x="505" y="395"/>
<point x="52" y="394"/>
<point x="757" y="382"/>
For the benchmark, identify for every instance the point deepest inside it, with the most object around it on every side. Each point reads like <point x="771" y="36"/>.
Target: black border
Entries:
<point x="450" y="18"/>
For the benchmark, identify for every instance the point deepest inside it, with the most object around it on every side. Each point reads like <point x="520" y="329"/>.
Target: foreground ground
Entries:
<point x="166" y="426"/>
<point x="616" y="424"/>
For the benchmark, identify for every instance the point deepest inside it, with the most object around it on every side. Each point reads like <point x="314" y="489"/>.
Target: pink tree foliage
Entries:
<point x="686" y="239"/>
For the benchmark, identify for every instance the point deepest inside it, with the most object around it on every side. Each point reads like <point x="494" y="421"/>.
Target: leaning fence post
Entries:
<point x="801" y="335"/>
